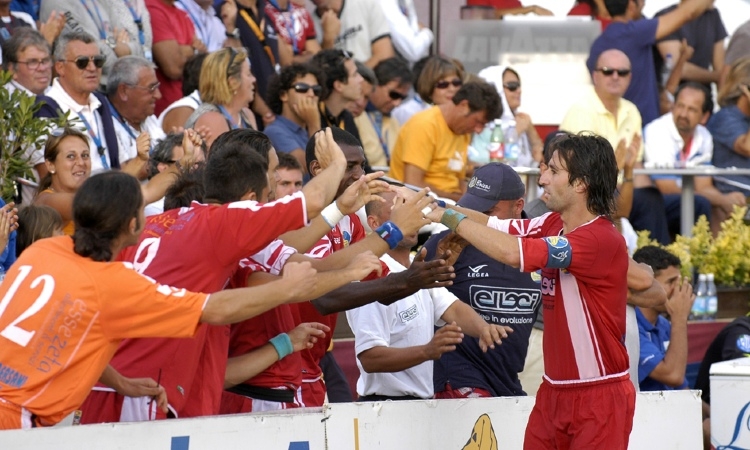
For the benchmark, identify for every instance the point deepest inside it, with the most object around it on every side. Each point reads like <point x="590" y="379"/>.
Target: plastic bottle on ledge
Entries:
<point x="512" y="148"/>
<point x="712" y="300"/>
<point x="496" y="146"/>
<point x="698" y="311"/>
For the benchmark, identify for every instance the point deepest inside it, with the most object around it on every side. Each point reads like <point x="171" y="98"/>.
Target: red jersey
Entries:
<point x="293" y="25"/>
<point x="584" y="291"/>
<point x="254" y="333"/>
<point x="62" y="317"/>
<point x="169" y="23"/>
<point x="497" y="4"/>
<point x="348" y="231"/>
<point x="199" y="248"/>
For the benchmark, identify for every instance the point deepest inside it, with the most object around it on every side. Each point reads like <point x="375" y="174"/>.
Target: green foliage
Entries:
<point x="727" y="255"/>
<point x="20" y="134"/>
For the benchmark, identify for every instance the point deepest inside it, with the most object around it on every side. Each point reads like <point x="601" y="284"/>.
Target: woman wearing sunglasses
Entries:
<point x="437" y="80"/>
<point x="226" y="87"/>
<point x="530" y="144"/>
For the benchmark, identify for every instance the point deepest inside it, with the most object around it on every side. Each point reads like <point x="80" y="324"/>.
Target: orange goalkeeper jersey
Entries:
<point x="62" y="317"/>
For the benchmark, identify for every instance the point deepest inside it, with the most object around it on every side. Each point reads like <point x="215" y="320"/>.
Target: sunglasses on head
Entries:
<point x="456" y="82"/>
<point x="607" y="72"/>
<point x="394" y="95"/>
<point x="82" y="62"/>
<point x="302" y="88"/>
<point x="512" y="86"/>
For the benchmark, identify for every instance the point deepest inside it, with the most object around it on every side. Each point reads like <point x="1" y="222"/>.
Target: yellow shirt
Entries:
<point x="425" y="141"/>
<point x="589" y="114"/>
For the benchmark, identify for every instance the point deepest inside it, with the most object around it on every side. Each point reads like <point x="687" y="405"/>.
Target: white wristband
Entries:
<point x="332" y="214"/>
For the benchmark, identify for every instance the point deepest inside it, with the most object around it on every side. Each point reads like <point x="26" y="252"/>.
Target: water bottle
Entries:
<point x="698" y="312"/>
<point x="496" y="146"/>
<point x="712" y="301"/>
<point x="666" y="71"/>
<point x="512" y="148"/>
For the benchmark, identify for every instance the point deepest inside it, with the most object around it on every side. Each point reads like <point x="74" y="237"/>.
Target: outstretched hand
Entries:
<point x="364" y="264"/>
<point x="362" y="192"/>
<point x="144" y="387"/>
<point x="327" y="151"/>
<point x="299" y="281"/>
<point x="423" y="274"/>
<point x="305" y="335"/>
<point x="492" y="334"/>
<point x="409" y="214"/>
<point x="450" y="247"/>
<point x="8" y="223"/>
<point x="446" y="339"/>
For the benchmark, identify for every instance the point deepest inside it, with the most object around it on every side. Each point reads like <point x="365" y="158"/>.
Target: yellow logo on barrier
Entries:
<point x="482" y="436"/>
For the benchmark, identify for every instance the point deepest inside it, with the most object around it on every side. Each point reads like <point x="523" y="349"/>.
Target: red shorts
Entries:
<point x="590" y="416"/>
<point x="232" y="403"/>
<point x="465" y="392"/>
<point x="313" y="393"/>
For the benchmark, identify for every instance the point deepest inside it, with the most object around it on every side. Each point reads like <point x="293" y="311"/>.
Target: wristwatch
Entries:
<point x="234" y="34"/>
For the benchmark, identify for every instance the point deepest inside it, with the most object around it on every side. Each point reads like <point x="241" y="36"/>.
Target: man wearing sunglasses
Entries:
<point x="132" y="90"/>
<point x="294" y="95"/>
<point x="78" y="64"/>
<point x="636" y="37"/>
<point x="394" y="83"/>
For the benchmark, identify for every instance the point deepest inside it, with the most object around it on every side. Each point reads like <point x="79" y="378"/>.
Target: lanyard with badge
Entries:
<point x="95" y="137"/>
<point x="138" y="19"/>
<point x="259" y="34"/>
<point x="130" y="130"/>
<point x="98" y="21"/>
<point x="201" y="27"/>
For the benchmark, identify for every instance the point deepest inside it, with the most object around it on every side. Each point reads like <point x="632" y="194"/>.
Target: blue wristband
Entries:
<point x="283" y="345"/>
<point x="390" y="234"/>
<point x="440" y="203"/>
<point x="451" y="218"/>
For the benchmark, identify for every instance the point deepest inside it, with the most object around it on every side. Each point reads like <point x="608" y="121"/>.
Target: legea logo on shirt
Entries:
<point x="476" y="272"/>
<point x="409" y="314"/>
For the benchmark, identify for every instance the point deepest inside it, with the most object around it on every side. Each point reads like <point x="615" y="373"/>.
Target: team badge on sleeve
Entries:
<point x="559" y="252"/>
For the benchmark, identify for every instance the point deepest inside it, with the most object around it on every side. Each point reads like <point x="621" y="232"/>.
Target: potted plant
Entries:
<point x="21" y="133"/>
<point x="727" y="256"/>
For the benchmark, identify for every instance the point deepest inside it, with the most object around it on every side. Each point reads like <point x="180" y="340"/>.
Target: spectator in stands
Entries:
<point x="133" y="91"/>
<point x="295" y="27"/>
<point x="165" y="155"/>
<point x="37" y="222"/>
<point x="636" y="39"/>
<point x="679" y="138"/>
<point x="432" y="147"/>
<point x="605" y="112"/>
<point x="78" y="64"/>
<point x="356" y="26"/>
<point x="15" y="19"/>
<point x="664" y="343"/>
<point x="738" y="47"/>
<point x="30" y="7"/>
<point x="108" y="216"/>
<point x="208" y="26"/>
<point x="411" y="39"/>
<point x="288" y="176"/>
<point x="8" y="234"/>
<point x="596" y="9"/>
<point x="92" y="17"/>
<point x="730" y="128"/>
<point x="294" y="96"/>
<point x="496" y="190"/>
<point x="414" y="103"/>
<point x="508" y="85"/>
<point x="133" y="17"/>
<point x="343" y="85"/>
<point x="705" y="34"/>
<point x="397" y="344"/>
<point x="258" y="37"/>
<point x="437" y="79"/>
<point x="175" y="42"/>
<point x="227" y="87"/>
<point x="27" y="55"/>
<point x="393" y="85"/>
<point x="374" y="153"/>
<point x="176" y="114"/>
<point x="510" y="8"/>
